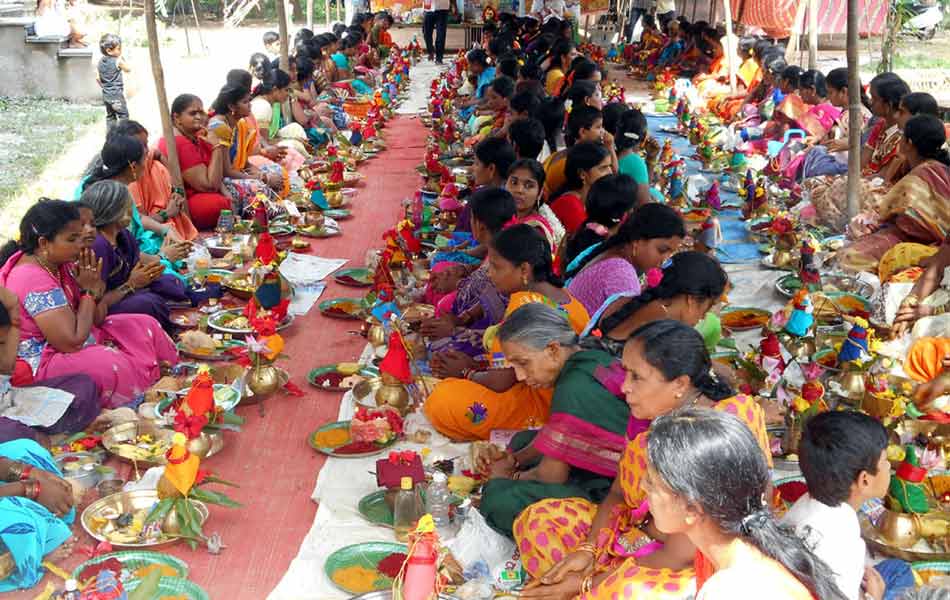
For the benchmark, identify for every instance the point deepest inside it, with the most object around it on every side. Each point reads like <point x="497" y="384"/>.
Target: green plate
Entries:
<point x="360" y="277"/>
<point x="760" y="312"/>
<point x="338" y="213"/>
<point x="174" y="586"/>
<point x="221" y="353"/>
<point x="326" y="305"/>
<point x="323" y="232"/>
<point x="134" y="559"/>
<point x="380" y="448"/>
<point x="280" y="230"/>
<point x="374" y="509"/>
<point x="789" y="284"/>
<point x="226" y="400"/>
<point x="215" y="322"/>
<point x="315" y="377"/>
<point x="223" y="273"/>
<point x="365" y="555"/>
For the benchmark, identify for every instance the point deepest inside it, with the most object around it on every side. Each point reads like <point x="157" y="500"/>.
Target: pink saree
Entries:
<point x="122" y="355"/>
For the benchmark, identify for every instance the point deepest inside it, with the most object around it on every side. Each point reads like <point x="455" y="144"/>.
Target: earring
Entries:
<point x="524" y="280"/>
<point x="679" y="396"/>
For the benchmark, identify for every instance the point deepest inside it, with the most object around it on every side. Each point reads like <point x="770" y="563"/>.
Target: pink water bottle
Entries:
<point x="419" y="579"/>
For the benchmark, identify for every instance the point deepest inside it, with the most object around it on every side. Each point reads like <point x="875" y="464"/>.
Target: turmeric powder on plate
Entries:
<point x="356" y="579"/>
<point x="331" y="438"/>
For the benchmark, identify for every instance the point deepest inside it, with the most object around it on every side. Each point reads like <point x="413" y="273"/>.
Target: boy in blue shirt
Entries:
<point x="109" y="78"/>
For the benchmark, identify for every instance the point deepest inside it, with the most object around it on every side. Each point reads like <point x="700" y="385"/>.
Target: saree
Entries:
<point x="554" y="173"/>
<point x="476" y="289"/>
<point x="464" y="410"/>
<point x="117" y="265"/>
<point x="549" y="530"/>
<point x="600" y="280"/>
<point x="242" y="144"/>
<point x="916" y="209"/>
<point x="585" y="430"/>
<point x="289" y="137"/>
<point x="123" y="355"/>
<point x="203" y="207"/>
<point x="151" y="191"/>
<point x="42" y="411"/>
<point x="27" y="528"/>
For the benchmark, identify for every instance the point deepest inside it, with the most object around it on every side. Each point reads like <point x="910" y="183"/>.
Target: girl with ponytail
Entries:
<point x="470" y="403"/>
<point x="687" y="289"/>
<point x="280" y="141"/>
<point x="665" y="368"/>
<point x="708" y="480"/>
<point x="917" y="208"/>
<point x="580" y="444"/>
<point x="644" y="241"/>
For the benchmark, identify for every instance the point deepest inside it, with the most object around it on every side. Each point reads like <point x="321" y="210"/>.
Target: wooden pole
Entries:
<point x="730" y="55"/>
<point x="284" y="39"/>
<point x="310" y="15"/>
<point x="854" y="108"/>
<point x="158" y="75"/>
<point x="797" y="28"/>
<point x="339" y="3"/>
<point x="812" y="34"/>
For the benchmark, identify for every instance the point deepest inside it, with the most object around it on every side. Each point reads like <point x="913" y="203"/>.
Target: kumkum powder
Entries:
<point x="392" y="564"/>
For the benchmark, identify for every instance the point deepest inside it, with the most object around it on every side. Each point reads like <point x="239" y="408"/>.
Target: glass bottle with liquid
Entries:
<point x="407" y="509"/>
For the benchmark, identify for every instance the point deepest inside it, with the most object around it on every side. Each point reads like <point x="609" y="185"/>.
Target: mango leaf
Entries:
<point x="728" y="343"/>
<point x="159" y="511"/>
<point x="212" y="497"/>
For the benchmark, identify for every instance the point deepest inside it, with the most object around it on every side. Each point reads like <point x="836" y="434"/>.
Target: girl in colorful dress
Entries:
<point x="644" y="241"/>
<point x="525" y="183"/>
<point x="470" y="403"/>
<point x="64" y="328"/>
<point x="586" y="163"/>
<point x="574" y="547"/>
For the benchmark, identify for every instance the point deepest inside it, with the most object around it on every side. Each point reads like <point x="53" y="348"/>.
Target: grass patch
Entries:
<point x="33" y="133"/>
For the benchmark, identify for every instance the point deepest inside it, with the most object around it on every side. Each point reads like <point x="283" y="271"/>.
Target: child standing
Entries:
<point x="272" y="45"/>
<point x="111" y="67"/>
<point x="843" y="456"/>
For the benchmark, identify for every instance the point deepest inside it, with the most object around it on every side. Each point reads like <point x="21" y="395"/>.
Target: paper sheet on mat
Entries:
<point x="301" y="269"/>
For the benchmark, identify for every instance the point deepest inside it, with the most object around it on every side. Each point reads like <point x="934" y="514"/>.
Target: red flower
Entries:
<point x="190" y="426"/>
<point x="201" y="476"/>
<point x="90" y="441"/>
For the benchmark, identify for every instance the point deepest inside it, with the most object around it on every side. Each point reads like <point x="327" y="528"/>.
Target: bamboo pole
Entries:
<point x="854" y="108"/>
<point x="326" y="6"/>
<point x="284" y="39"/>
<point x="812" y="34"/>
<point x="730" y="55"/>
<point x="158" y="75"/>
<point x="310" y="15"/>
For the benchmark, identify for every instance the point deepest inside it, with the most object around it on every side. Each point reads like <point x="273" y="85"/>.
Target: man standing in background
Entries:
<point x="638" y="8"/>
<point x="436" y="19"/>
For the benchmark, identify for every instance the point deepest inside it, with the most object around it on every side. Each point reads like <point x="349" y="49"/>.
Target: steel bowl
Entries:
<point x="86" y="476"/>
<point x="112" y="506"/>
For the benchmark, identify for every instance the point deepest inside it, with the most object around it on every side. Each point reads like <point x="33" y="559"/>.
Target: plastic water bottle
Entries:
<point x="437" y="503"/>
<point x="406" y="510"/>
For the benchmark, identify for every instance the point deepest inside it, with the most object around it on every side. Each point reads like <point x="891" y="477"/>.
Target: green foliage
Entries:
<point x="160" y="511"/>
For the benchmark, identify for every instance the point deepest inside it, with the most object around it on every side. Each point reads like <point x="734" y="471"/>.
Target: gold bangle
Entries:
<point x="588" y="548"/>
<point x="910" y="300"/>
<point x="587" y="584"/>
<point x="15" y="471"/>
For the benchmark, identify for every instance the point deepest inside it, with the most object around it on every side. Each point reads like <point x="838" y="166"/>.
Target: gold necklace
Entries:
<point x="59" y="278"/>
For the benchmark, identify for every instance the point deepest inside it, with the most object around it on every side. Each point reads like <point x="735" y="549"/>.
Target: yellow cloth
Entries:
<point x="901" y="257"/>
<point x="552" y="82"/>
<point x="925" y="359"/>
<point x="554" y="173"/>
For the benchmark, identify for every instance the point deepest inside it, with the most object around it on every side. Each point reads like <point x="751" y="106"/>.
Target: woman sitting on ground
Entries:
<point x="645" y="241"/>
<point x="470" y="403"/>
<point x="201" y="162"/>
<point x="477" y="305"/>
<point x="267" y="101"/>
<point x="570" y="545"/>
<point x="584" y="124"/>
<point x="67" y="404"/>
<point x="575" y="454"/>
<point x="63" y="326"/>
<point x="586" y="163"/>
<point x="244" y="182"/>
<point x="36" y="512"/>
<point x="525" y="183"/>
<point x="917" y="208"/>
<point x="609" y="201"/>
<point x="134" y="282"/>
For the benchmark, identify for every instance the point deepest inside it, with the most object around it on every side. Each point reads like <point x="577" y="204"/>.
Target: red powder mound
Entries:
<point x="356" y="448"/>
<point x="391" y="565"/>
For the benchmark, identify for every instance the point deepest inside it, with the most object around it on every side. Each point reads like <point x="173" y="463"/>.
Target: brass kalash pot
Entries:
<point x="392" y="393"/>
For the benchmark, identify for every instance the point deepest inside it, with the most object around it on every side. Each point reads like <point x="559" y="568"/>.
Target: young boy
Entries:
<point x="272" y="45"/>
<point x="527" y="137"/>
<point x="111" y="67"/>
<point x="843" y="456"/>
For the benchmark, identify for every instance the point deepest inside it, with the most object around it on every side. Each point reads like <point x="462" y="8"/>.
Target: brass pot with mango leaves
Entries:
<point x="393" y="393"/>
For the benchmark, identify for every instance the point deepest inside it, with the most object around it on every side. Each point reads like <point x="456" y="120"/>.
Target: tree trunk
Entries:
<point x="284" y="39"/>
<point x="158" y="75"/>
<point x="310" y="15"/>
<point x="326" y="4"/>
<point x="812" y="34"/>
<point x="854" y="116"/>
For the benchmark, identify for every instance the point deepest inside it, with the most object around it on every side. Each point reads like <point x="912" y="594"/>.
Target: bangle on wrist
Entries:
<point x="15" y="471"/>
<point x="178" y="190"/>
<point x="162" y="215"/>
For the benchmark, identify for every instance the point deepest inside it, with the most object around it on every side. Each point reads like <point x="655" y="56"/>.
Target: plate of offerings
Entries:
<point x="789" y="284"/>
<point x="219" y="246"/>
<point x="342" y="308"/>
<point x="370" y="432"/>
<point x="201" y="346"/>
<point x="280" y="230"/>
<point x="173" y="588"/>
<point x="830" y="307"/>
<point x="359" y="277"/>
<point x="744" y="318"/>
<point x="240" y="286"/>
<point x="318" y="231"/>
<point x="131" y="564"/>
<point x="366" y="567"/>
<point x="225" y="398"/>
<point x="213" y="275"/>
<point x="340" y="377"/>
<point x="138" y="441"/>
<point x="122" y="520"/>
<point x="234" y="322"/>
